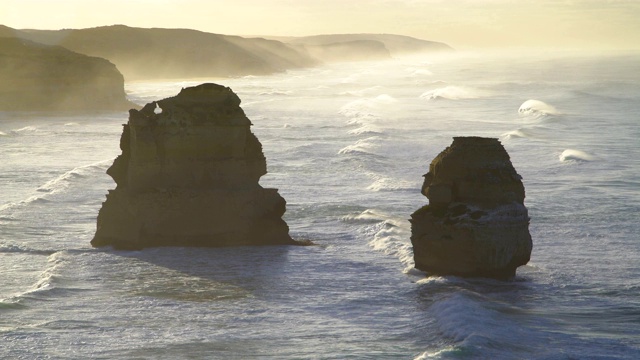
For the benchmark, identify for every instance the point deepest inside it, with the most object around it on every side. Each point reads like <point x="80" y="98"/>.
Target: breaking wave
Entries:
<point x="366" y="130"/>
<point x="362" y="146"/>
<point x="452" y="93"/>
<point x="576" y="155"/>
<point x="388" y="235"/>
<point x="515" y="134"/>
<point x="46" y="282"/>
<point x="6" y="248"/>
<point x="389" y="184"/>
<point x="535" y="107"/>
<point x="63" y="181"/>
<point x="60" y="183"/>
<point x="26" y="129"/>
<point x="363" y="92"/>
<point x="275" y="92"/>
<point x="366" y="107"/>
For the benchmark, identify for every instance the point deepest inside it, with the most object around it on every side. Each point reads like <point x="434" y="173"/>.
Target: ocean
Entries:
<point x="346" y="145"/>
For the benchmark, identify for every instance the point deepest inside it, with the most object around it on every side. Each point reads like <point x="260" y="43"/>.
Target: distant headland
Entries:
<point x="145" y="54"/>
<point x="72" y="69"/>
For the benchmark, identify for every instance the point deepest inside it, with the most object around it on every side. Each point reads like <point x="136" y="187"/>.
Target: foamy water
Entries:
<point x="347" y="146"/>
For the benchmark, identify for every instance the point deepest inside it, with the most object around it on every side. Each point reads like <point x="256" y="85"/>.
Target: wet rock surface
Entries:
<point x="476" y="224"/>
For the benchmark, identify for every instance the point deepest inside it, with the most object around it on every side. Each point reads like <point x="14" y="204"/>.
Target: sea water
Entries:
<point x="346" y="145"/>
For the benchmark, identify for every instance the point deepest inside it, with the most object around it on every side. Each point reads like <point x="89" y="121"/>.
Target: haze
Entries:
<point x="590" y="24"/>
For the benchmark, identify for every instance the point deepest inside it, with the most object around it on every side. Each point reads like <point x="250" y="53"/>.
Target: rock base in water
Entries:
<point x="476" y="224"/>
<point x="188" y="176"/>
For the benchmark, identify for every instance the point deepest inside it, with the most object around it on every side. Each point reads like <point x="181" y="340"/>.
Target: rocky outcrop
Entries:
<point x="476" y="223"/>
<point x="188" y="176"/>
<point x="41" y="77"/>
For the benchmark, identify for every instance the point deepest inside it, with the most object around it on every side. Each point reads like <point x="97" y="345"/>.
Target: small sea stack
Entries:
<point x="188" y="176"/>
<point x="476" y="224"/>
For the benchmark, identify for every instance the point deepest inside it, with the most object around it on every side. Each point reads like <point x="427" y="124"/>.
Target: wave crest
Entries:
<point x="452" y="93"/>
<point x="576" y="155"/>
<point x="535" y="107"/>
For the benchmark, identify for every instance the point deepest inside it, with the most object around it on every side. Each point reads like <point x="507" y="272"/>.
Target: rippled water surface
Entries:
<point x="346" y="146"/>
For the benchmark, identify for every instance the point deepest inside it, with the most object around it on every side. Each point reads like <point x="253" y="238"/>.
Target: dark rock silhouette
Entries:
<point x="476" y="224"/>
<point x="188" y="176"/>
<point x="42" y="77"/>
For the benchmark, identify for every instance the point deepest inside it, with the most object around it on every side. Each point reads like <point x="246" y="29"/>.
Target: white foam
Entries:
<point x="438" y="354"/>
<point x="366" y="107"/>
<point x="275" y="92"/>
<point x="63" y="181"/>
<point x="3" y="133"/>
<point x="59" y="184"/>
<point x="390" y="184"/>
<point x="367" y="216"/>
<point x="392" y="239"/>
<point x="534" y="107"/>
<point x="46" y="280"/>
<point x="364" y="146"/>
<point x="452" y="93"/>
<point x="363" y="92"/>
<point x="576" y="155"/>
<point x="26" y="129"/>
<point x="438" y="280"/>
<point x="367" y="130"/>
<point x="13" y="248"/>
<point x="515" y="134"/>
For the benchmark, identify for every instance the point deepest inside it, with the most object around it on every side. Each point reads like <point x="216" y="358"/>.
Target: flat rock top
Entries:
<point x="208" y="94"/>
<point x="204" y="104"/>
<point x="473" y="169"/>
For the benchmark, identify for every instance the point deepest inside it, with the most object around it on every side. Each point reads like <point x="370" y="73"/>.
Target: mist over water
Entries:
<point x="346" y="145"/>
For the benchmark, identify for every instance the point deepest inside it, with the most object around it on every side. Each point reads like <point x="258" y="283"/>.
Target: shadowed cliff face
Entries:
<point x="41" y="77"/>
<point x="476" y="223"/>
<point x="188" y="176"/>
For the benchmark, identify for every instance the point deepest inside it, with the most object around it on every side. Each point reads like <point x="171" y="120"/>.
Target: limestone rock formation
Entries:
<point x="42" y="77"/>
<point x="476" y="223"/>
<point x="188" y="176"/>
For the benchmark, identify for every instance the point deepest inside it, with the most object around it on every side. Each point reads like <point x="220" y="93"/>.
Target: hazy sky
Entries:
<point x="460" y="23"/>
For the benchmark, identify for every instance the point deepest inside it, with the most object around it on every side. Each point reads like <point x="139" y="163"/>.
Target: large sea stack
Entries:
<point x="476" y="224"/>
<point x="188" y="176"/>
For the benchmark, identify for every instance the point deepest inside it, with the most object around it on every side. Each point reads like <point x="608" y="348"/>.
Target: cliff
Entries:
<point x="395" y="45"/>
<point x="176" y="53"/>
<point x="356" y="50"/>
<point x="476" y="223"/>
<point x="41" y="77"/>
<point x="157" y="53"/>
<point x="188" y="176"/>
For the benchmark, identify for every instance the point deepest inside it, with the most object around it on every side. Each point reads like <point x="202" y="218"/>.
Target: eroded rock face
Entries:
<point x="188" y="176"/>
<point x="476" y="223"/>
